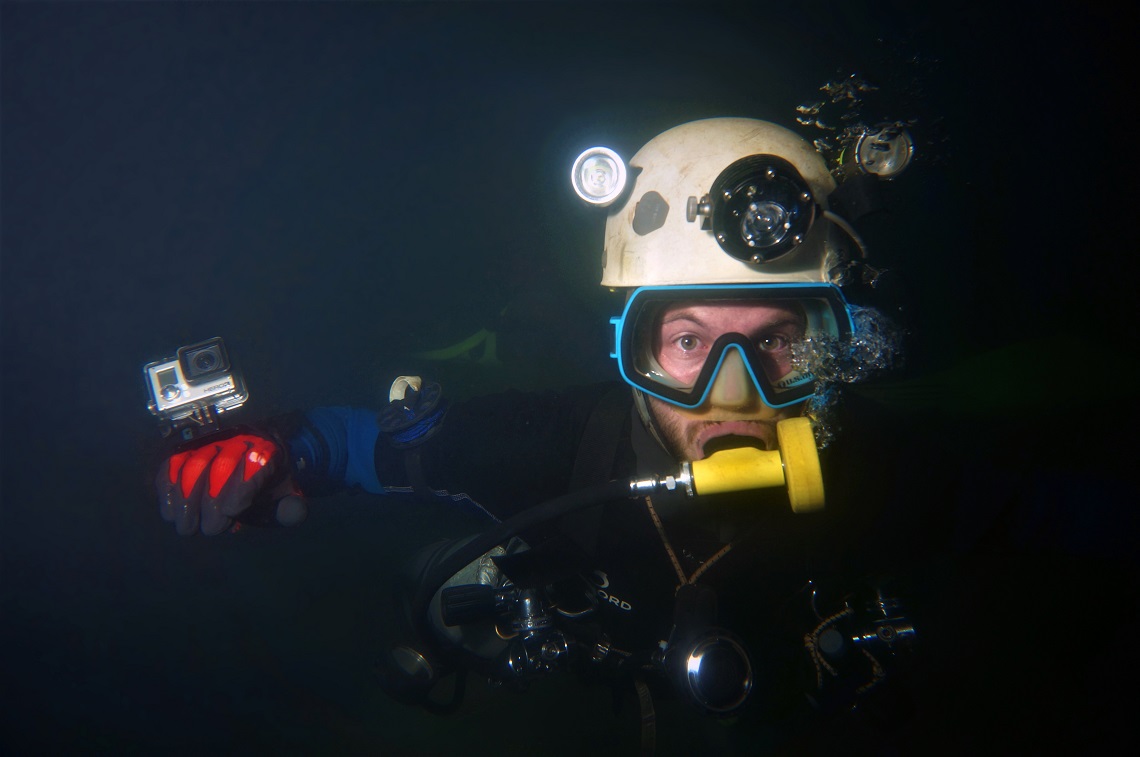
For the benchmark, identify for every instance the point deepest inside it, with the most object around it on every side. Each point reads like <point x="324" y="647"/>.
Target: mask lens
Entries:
<point x="674" y="342"/>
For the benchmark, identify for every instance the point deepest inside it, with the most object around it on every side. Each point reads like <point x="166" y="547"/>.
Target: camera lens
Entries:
<point x="206" y="360"/>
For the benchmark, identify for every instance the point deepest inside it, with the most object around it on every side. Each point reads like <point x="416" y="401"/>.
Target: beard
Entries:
<point x="695" y="434"/>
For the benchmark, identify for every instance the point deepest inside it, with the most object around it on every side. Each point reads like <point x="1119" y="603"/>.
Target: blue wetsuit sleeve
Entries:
<point x="336" y="447"/>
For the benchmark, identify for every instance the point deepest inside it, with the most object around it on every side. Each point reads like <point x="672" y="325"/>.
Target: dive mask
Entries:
<point x="666" y="349"/>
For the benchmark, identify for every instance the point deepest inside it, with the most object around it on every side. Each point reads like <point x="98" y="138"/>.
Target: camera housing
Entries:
<point x="190" y="388"/>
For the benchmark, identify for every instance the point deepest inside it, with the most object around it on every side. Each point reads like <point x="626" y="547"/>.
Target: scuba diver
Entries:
<point x="641" y="534"/>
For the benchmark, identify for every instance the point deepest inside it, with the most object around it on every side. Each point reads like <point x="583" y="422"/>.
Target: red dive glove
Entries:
<point x="208" y="487"/>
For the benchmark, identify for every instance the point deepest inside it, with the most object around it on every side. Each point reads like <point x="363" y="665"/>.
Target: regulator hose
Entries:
<point x="501" y="533"/>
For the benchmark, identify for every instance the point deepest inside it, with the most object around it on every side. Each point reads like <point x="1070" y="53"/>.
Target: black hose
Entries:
<point x="502" y="533"/>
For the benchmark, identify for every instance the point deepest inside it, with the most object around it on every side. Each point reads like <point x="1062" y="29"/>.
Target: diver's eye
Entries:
<point x="687" y="342"/>
<point x="772" y="343"/>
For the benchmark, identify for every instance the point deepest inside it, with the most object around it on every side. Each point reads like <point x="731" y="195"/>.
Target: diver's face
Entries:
<point x="734" y="414"/>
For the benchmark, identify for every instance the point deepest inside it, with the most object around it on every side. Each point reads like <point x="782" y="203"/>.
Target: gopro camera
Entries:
<point x="188" y="391"/>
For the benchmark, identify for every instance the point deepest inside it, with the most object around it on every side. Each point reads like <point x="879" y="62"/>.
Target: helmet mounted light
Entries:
<point x="759" y="208"/>
<point x="884" y="151"/>
<point x="598" y="176"/>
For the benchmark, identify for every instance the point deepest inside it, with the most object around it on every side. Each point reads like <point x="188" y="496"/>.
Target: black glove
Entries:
<point x="210" y="486"/>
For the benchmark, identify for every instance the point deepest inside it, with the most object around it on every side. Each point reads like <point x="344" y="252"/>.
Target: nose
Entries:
<point x="733" y="386"/>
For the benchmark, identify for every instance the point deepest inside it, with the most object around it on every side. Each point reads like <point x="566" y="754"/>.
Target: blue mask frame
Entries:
<point x="828" y="314"/>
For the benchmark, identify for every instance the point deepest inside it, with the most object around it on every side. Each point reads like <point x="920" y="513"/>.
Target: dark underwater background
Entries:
<point x="332" y="187"/>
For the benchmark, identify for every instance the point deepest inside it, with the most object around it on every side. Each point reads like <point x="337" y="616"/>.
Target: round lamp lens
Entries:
<point x="884" y="153"/>
<point x="598" y="176"/>
<point x="765" y="224"/>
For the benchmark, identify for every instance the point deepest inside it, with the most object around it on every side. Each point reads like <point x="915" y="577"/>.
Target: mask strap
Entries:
<point x="647" y="418"/>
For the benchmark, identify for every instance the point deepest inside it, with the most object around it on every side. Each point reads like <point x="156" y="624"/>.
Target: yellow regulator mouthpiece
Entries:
<point x="795" y="463"/>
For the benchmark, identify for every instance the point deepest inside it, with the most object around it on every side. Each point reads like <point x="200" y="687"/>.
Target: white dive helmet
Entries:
<point x="680" y="223"/>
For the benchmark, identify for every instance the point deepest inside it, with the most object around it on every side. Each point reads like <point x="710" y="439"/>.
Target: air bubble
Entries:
<point x="873" y="347"/>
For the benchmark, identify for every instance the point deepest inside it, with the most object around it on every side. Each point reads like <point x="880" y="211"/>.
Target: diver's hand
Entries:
<point x="209" y="487"/>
